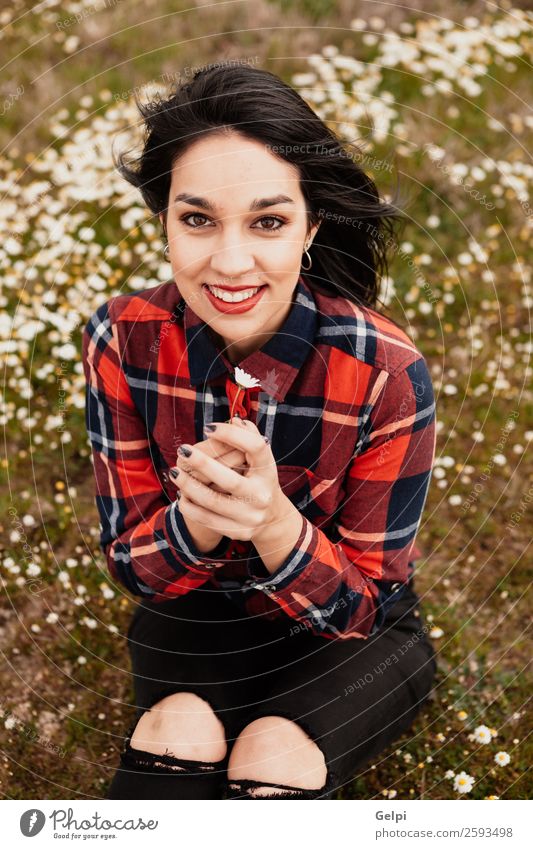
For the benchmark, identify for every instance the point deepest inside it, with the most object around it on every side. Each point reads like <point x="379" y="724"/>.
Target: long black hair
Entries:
<point x="349" y="251"/>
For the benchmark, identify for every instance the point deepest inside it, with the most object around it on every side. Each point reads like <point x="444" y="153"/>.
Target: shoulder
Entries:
<point x="154" y="303"/>
<point x="143" y="308"/>
<point x="364" y="334"/>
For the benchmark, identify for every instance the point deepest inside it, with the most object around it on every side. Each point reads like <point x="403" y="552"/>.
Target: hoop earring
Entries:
<point x="310" y="261"/>
<point x="166" y="252"/>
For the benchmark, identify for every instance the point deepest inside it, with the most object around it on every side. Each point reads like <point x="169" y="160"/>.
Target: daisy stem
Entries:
<point x="234" y="402"/>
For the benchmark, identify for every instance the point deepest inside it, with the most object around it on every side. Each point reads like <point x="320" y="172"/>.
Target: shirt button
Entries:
<point x="394" y="587"/>
<point x="269" y="587"/>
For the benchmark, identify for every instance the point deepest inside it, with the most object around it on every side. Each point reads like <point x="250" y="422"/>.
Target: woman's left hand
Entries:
<point x="248" y="502"/>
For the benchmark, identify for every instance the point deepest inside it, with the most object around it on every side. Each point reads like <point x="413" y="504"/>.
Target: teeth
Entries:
<point x="233" y="298"/>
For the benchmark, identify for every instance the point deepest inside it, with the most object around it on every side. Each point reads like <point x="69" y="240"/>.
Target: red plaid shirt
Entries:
<point x="347" y="402"/>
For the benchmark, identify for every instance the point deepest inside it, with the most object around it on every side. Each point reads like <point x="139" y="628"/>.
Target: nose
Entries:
<point x="232" y="259"/>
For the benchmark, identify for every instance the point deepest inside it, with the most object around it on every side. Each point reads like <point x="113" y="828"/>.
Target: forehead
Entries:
<point x="213" y="165"/>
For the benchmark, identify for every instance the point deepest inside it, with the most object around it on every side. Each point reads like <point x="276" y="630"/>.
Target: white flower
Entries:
<point x="436" y="632"/>
<point x="245" y="380"/>
<point x="449" y="773"/>
<point x="482" y="734"/>
<point x="502" y="758"/>
<point x="463" y="782"/>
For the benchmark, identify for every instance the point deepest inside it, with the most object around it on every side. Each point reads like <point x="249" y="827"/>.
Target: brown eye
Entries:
<point x="185" y="218"/>
<point x="275" y="219"/>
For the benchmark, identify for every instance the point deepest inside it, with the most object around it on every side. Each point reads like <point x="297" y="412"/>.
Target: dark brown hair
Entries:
<point x="349" y="250"/>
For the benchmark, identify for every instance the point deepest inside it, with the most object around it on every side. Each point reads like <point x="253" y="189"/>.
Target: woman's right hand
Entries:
<point x="230" y="457"/>
<point x="204" y="538"/>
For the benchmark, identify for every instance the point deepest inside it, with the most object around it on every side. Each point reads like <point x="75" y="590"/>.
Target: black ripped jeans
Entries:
<point x="353" y="697"/>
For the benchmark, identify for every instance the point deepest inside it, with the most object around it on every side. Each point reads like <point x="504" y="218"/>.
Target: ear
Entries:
<point x="313" y="231"/>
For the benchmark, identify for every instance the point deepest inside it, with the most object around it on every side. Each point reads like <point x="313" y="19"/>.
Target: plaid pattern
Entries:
<point x="347" y="402"/>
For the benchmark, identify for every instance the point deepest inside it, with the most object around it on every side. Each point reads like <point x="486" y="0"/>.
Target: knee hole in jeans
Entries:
<point x="276" y="749"/>
<point x="181" y="725"/>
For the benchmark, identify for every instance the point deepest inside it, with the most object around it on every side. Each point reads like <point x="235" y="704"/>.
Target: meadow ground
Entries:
<point x="438" y="100"/>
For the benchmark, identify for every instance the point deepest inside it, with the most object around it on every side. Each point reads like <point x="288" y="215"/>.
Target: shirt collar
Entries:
<point x="275" y="365"/>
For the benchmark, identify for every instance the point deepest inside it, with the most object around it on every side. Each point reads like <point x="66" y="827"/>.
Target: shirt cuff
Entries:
<point x="296" y="561"/>
<point x="184" y="548"/>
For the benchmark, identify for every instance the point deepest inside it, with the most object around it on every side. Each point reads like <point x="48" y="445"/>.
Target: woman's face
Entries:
<point x="236" y="219"/>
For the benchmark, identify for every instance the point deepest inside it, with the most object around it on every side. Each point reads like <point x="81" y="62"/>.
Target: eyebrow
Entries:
<point x="258" y="203"/>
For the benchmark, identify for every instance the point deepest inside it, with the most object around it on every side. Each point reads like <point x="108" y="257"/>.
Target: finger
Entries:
<point x="212" y="448"/>
<point x="220" y="503"/>
<point x="233" y="459"/>
<point x="222" y="525"/>
<point x="250" y="442"/>
<point x="216" y="472"/>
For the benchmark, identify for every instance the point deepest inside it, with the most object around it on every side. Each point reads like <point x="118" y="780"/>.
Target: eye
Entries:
<point x="271" y="218"/>
<point x="280" y="221"/>
<point x="185" y="218"/>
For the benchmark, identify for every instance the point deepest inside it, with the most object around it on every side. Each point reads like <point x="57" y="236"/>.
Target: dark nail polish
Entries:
<point x="174" y="473"/>
<point x="184" y="450"/>
<point x="210" y="428"/>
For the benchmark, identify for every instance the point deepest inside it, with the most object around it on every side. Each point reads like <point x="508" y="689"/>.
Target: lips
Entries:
<point x="236" y="308"/>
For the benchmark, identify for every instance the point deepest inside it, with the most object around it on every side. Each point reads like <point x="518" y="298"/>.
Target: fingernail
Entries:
<point x="267" y="440"/>
<point x="185" y="451"/>
<point x="178" y="496"/>
<point x="209" y="428"/>
<point x="174" y="473"/>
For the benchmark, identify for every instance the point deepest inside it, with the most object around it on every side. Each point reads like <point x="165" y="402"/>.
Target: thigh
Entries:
<point x="202" y="643"/>
<point x="354" y="697"/>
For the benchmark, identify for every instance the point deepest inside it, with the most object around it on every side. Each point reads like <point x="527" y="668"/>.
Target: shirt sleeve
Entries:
<point x="343" y="584"/>
<point x="145" y="539"/>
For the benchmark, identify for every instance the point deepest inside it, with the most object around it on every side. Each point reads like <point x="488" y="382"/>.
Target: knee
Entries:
<point x="276" y="749"/>
<point x="182" y="725"/>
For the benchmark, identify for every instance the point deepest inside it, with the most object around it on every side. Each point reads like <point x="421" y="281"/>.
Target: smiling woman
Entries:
<point x="292" y="528"/>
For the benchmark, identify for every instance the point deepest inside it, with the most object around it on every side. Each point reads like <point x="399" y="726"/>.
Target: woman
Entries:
<point x="262" y="459"/>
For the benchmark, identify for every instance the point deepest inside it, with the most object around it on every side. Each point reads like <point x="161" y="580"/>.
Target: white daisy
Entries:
<point x="482" y="734"/>
<point x="463" y="782"/>
<point x="502" y="758"/>
<point x="245" y="380"/>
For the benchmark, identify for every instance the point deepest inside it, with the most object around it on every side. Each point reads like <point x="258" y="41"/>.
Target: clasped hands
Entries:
<point x="240" y="505"/>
